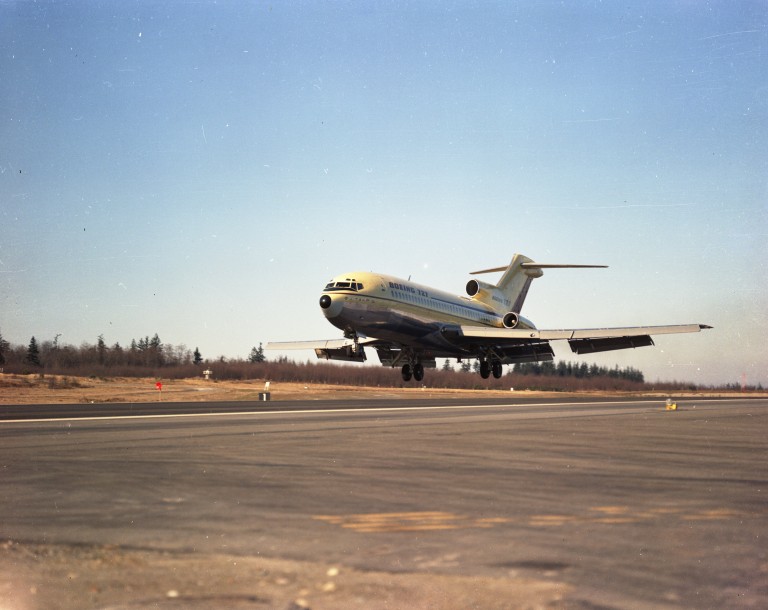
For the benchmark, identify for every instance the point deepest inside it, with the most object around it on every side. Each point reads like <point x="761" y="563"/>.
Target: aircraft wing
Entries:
<point x="581" y="340"/>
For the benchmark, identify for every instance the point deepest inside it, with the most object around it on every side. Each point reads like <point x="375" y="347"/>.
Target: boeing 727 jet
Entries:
<point x="410" y="325"/>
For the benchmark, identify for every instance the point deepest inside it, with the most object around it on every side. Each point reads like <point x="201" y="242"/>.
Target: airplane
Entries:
<point x="410" y="325"/>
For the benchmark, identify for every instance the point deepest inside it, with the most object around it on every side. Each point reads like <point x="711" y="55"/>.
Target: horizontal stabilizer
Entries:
<point x="532" y="265"/>
<point x="560" y="266"/>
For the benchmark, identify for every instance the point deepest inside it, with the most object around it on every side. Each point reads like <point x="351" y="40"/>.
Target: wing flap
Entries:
<point x="329" y="344"/>
<point x="533" y="351"/>
<point x="320" y="344"/>
<point x="331" y="349"/>
<point x="591" y="346"/>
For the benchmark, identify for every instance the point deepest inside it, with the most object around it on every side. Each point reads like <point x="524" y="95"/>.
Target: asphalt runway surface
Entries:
<point x="622" y="503"/>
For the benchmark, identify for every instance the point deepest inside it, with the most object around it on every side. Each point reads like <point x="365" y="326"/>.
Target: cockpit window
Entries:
<point x="347" y="285"/>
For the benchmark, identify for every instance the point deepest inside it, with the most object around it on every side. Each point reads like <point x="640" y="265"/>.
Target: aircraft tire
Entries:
<point x="406" y="372"/>
<point x="485" y="369"/>
<point x="496" y="369"/>
<point x="418" y="371"/>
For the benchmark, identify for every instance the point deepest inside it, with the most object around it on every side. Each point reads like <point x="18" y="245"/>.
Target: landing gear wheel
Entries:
<point x="485" y="369"/>
<point x="496" y="369"/>
<point x="418" y="371"/>
<point x="407" y="374"/>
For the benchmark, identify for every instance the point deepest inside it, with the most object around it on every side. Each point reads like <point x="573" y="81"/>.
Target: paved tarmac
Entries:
<point x="615" y="504"/>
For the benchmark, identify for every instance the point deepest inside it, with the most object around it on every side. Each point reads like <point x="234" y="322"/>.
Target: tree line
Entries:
<point x="579" y="370"/>
<point x="143" y="353"/>
<point x="150" y="357"/>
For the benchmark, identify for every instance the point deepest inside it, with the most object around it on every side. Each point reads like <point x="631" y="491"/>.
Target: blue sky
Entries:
<point x="200" y="170"/>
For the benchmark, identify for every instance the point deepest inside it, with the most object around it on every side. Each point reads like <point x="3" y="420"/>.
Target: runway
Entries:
<point x="620" y="502"/>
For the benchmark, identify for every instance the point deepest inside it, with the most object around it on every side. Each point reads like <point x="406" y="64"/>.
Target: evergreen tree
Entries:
<point x="154" y="343"/>
<point x="447" y="365"/>
<point x="101" y="348"/>
<point x="33" y="353"/>
<point x="117" y="354"/>
<point x="4" y="345"/>
<point x="257" y="354"/>
<point x="198" y="356"/>
<point x="155" y="348"/>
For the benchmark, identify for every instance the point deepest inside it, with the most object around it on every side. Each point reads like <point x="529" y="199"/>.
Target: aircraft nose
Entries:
<point x="331" y="306"/>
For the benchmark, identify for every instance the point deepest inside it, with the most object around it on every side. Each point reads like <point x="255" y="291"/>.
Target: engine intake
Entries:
<point x="510" y="320"/>
<point x="475" y="287"/>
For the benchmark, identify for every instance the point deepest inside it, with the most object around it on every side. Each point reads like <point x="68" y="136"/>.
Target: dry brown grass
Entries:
<point x="34" y="389"/>
<point x="52" y="389"/>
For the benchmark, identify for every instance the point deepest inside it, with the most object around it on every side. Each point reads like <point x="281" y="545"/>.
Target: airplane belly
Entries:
<point x="368" y="318"/>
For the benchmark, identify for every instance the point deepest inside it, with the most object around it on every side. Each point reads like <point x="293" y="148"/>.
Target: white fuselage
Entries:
<point x="389" y="308"/>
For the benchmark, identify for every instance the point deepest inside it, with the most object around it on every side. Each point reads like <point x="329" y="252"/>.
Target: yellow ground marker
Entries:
<point x="408" y="521"/>
<point x="435" y="521"/>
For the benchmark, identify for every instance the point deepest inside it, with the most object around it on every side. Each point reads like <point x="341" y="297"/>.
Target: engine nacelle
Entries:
<point x="474" y="287"/>
<point x="510" y="320"/>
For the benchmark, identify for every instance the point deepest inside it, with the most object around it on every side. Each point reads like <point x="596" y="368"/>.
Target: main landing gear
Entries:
<point x="486" y="368"/>
<point x="416" y="371"/>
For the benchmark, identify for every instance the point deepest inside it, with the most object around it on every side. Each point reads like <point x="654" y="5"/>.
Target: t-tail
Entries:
<point x="507" y="297"/>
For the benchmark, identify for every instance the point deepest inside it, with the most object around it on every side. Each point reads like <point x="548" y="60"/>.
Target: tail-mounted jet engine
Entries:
<point x="493" y="297"/>
<point x="511" y="320"/>
<point x="474" y="287"/>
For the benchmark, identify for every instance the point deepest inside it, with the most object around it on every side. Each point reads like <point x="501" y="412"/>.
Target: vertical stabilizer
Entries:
<point x="516" y="281"/>
<point x="510" y="293"/>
